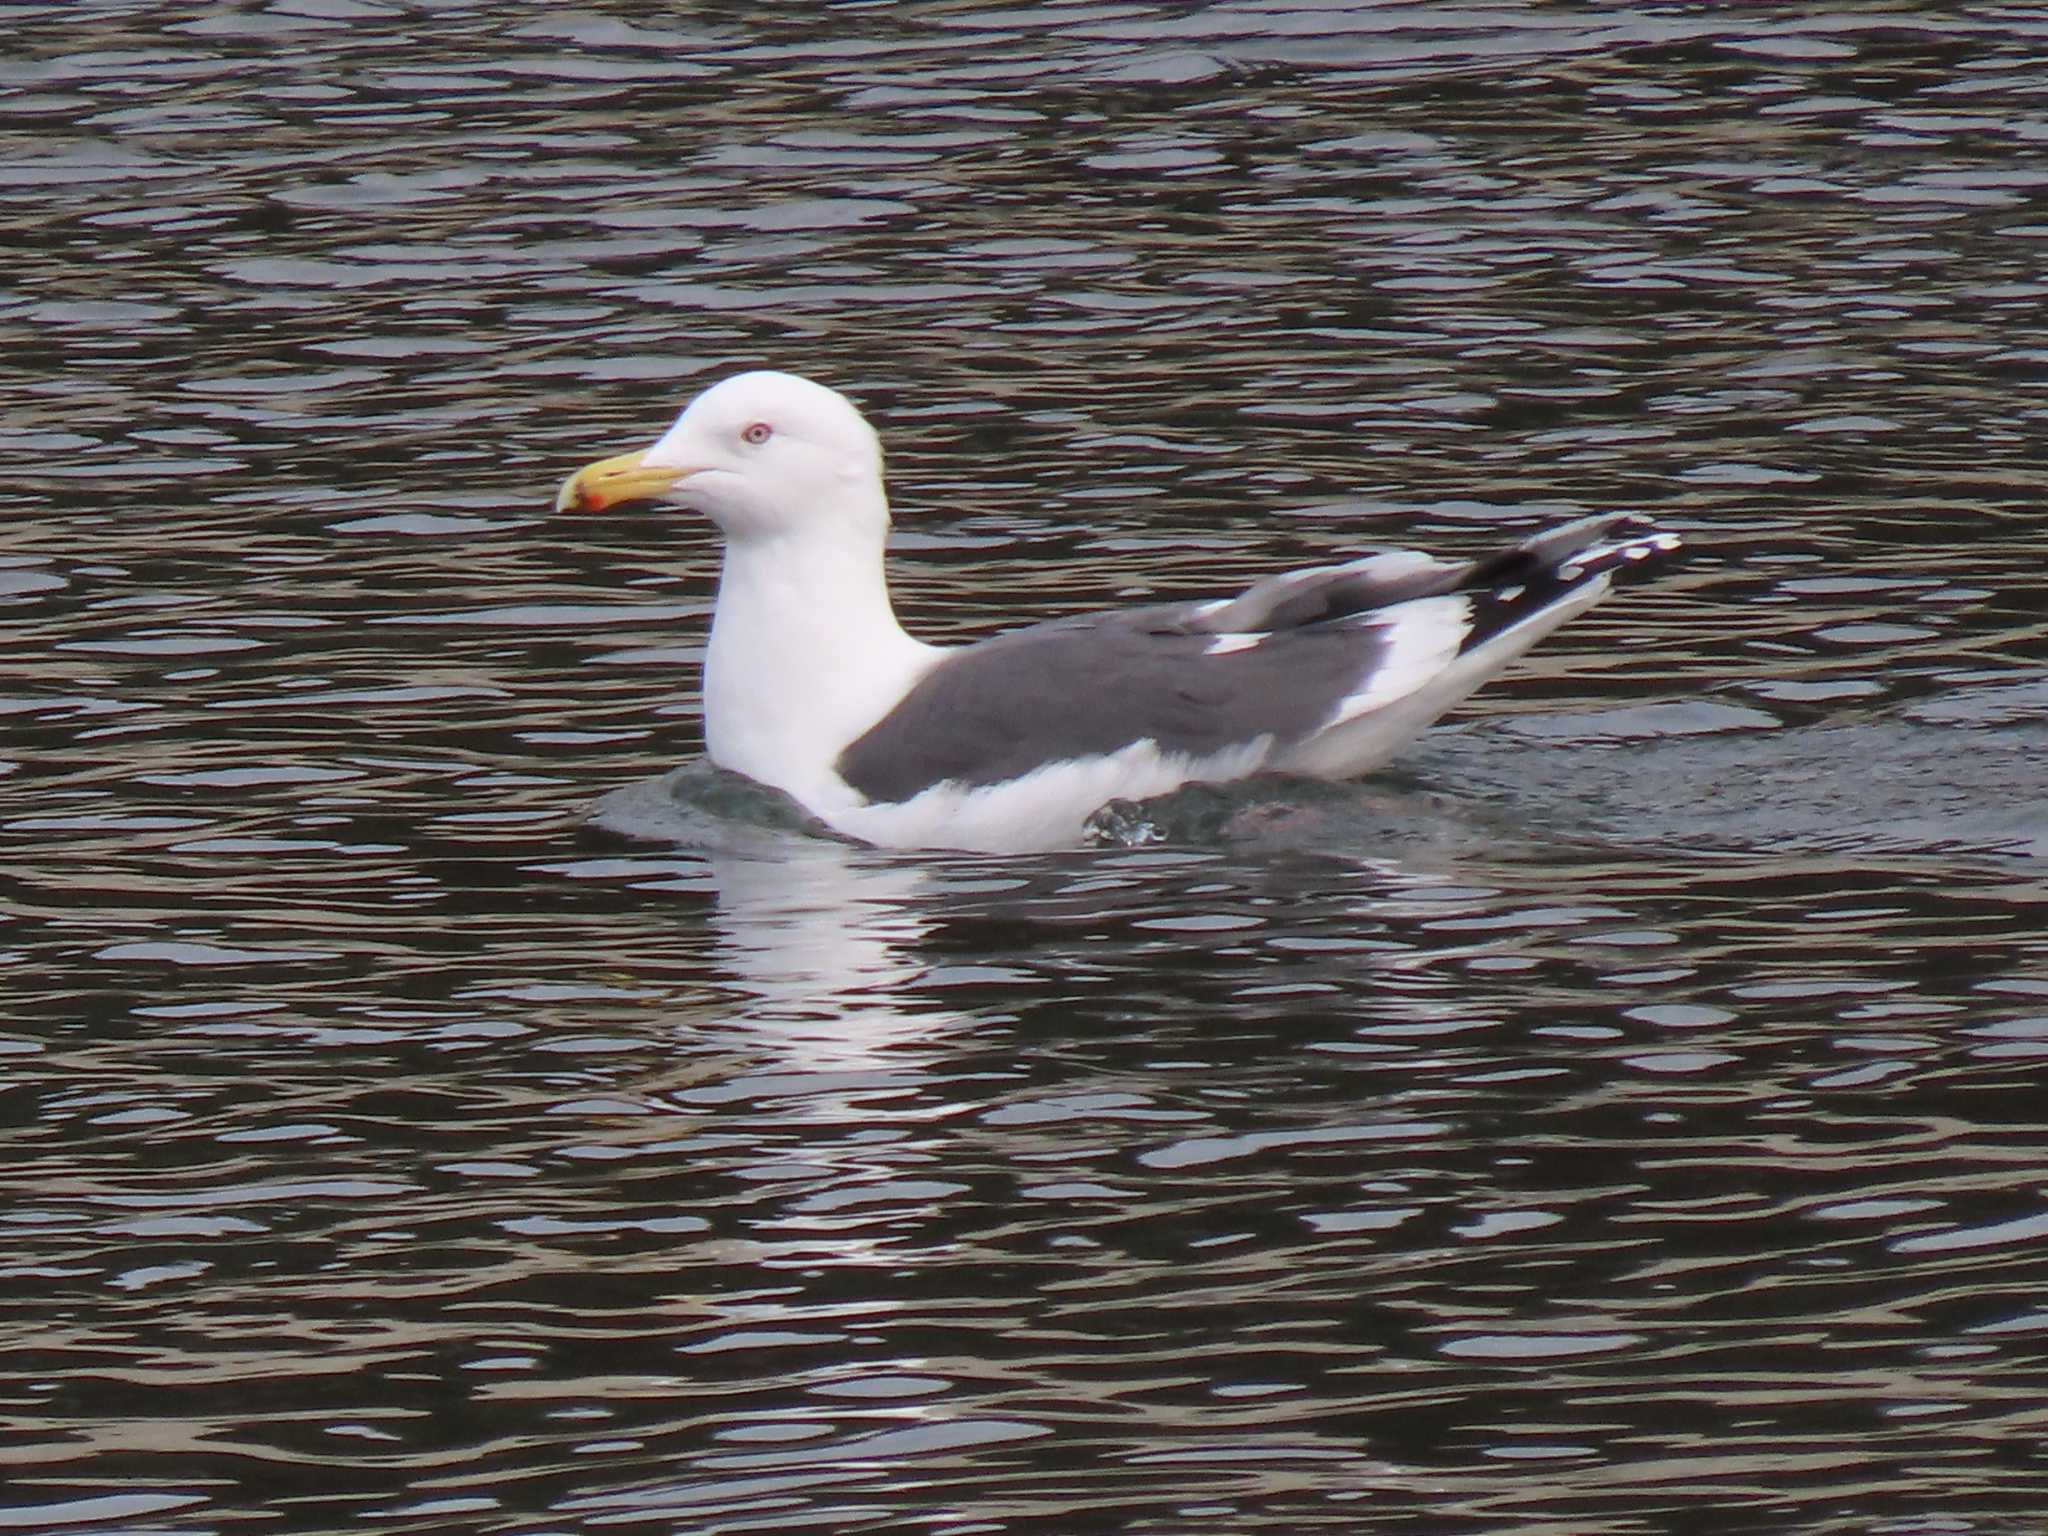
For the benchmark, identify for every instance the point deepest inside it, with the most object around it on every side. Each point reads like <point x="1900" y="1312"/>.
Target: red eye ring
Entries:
<point x="757" y="434"/>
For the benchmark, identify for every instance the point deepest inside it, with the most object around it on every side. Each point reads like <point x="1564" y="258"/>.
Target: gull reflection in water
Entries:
<point x="817" y="943"/>
<point x="826" y="941"/>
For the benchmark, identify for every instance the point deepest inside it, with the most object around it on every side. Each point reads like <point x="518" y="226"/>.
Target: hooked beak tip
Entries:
<point x="609" y="482"/>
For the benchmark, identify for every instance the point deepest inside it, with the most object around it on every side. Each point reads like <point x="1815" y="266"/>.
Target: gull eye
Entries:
<point x="757" y="434"/>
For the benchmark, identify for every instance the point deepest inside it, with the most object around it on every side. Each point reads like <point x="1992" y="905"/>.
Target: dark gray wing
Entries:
<point x="1089" y="686"/>
<point x="1200" y="678"/>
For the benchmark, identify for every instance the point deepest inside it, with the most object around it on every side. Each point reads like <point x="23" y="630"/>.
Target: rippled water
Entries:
<point x="1625" y="1116"/>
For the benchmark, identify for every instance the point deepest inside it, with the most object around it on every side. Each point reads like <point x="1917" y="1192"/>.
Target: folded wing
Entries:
<point x="1292" y="672"/>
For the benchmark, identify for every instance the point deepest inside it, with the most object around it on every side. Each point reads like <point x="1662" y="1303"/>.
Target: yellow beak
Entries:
<point x="611" y="481"/>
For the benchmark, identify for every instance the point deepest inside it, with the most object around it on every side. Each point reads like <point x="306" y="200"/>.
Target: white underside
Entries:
<point x="1045" y="809"/>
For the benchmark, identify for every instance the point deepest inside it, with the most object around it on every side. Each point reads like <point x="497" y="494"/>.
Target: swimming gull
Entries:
<point x="1010" y="744"/>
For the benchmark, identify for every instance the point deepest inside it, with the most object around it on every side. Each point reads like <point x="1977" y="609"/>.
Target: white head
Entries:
<point x="764" y="455"/>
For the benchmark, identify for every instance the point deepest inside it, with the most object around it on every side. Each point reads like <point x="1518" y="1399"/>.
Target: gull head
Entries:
<point x="764" y="455"/>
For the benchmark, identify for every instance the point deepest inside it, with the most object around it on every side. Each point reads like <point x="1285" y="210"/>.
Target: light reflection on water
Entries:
<point x="1623" y="1114"/>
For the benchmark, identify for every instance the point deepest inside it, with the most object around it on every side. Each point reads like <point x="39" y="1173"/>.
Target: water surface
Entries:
<point x="1622" y="1116"/>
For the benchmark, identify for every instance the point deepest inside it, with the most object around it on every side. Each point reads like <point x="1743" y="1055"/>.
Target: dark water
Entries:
<point x="1626" y="1116"/>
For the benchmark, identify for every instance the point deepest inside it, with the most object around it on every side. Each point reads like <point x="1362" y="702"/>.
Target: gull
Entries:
<point x="1010" y="744"/>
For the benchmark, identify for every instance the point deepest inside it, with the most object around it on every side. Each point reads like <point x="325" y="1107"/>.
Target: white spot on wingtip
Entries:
<point x="1509" y="594"/>
<point x="1570" y="572"/>
<point x="1223" y="645"/>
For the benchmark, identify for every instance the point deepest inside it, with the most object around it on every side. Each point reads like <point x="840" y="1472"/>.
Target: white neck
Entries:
<point x="805" y="655"/>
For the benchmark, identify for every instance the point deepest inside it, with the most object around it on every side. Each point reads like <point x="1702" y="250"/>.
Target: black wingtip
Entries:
<point x="1568" y="553"/>
<point x="1550" y="568"/>
<point x="1628" y="541"/>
